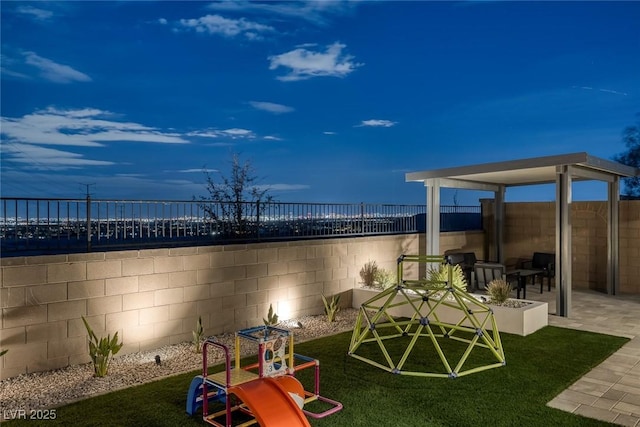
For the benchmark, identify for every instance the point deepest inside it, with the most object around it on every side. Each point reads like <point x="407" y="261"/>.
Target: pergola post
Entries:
<point x="433" y="216"/>
<point x="563" y="240"/>
<point x="498" y="207"/>
<point x="613" y="254"/>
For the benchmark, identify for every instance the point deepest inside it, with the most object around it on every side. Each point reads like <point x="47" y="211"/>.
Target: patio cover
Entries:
<point x="561" y="169"/>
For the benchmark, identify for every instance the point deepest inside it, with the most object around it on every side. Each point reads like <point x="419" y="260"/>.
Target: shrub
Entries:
<point x="101" y="350"/>
<point x="441" y="275"/>
<point x="197" y="335"/>
<point x="272" y="317"/>
<point x="384" y="279"/>
<point x="331" y="307"/>
<point x="498" y="291"/>
<point x="368" y="273"/>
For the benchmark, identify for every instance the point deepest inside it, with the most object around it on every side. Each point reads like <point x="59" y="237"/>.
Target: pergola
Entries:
<point x="561" y="170"/>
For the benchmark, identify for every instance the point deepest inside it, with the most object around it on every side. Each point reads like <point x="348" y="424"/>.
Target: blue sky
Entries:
<point x="330" y="101"/>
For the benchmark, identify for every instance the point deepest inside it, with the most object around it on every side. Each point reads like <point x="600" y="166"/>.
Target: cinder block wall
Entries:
<point x="531" y="227"/>
<point x="154" y="297"/>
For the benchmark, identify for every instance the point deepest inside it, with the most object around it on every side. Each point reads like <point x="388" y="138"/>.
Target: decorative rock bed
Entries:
<point x="56" y="388"/>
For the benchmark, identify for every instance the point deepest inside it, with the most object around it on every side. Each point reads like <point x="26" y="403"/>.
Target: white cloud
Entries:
<point x="272" y="138"/>
<point x="162" y="21"/>
<point x="329" y="133"/>
<point x="37" y="13"/>
<point x="377" y="123"/>
<point x="271" y="107"/>
<point x="216" y="24"/>
<point x="615" y="92"/>
<point x="238" y="133"/>
<point x="313" y="10"/>
<point x="42" y="158"/>
<point x="233" y="133"/>
<point x="305" y="64"/>
<point x="88" y="127"/>
<point x="201" y="170"/>
<point x="53" y="71"/>
<point x="23" y="138"/>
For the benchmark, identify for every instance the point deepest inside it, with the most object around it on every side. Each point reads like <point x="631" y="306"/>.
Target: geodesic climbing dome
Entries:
<point x="429" y="310"/>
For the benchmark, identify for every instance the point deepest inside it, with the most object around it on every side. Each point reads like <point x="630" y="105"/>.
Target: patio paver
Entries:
<point x="610" y="391"/>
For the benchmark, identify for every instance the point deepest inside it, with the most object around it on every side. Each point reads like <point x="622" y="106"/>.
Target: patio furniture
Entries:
<point x="521" y="275"/>
<point x="485" y="272"/>
<point x="545" y="263"/>
<point x="466" y="261"/>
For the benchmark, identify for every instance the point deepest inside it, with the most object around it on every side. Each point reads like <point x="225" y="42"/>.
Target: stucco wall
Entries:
<point x="530" y="227"/>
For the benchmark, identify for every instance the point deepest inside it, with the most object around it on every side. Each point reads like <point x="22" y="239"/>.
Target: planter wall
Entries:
<point x="519" y="321"/>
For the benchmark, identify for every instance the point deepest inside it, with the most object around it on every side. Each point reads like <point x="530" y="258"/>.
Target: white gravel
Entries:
<point x="44" y="390"/>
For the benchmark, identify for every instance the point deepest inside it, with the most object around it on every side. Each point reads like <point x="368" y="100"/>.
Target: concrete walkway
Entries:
<point x="611" y="391"/>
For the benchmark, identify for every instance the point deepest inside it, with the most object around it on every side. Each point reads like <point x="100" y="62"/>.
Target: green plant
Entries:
<point x="368" y="273"/>
<point x="101" y="350"/>
<point x="331" y="307"/>
<point x="3" y="352"/>
<point x="498" y="291"/>
<point x="272" y="317"/>
<point x="441" y="275"/>
<point x="197" y="335"/>
<point x="384" y="278"/>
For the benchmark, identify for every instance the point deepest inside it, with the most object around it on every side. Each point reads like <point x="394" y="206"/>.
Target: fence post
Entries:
<point x="88" y="222"/>
<point x="362" y="218"/>
<point x="258" y="219"/>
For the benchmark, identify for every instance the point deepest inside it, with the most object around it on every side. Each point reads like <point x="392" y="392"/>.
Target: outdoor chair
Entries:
<point x="546" y="263"/>
<point x="466" y="261"/>
<point x="485" y="272"/>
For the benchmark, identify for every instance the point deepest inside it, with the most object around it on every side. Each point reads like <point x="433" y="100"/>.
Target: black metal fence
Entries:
<point x="49" y="226"/>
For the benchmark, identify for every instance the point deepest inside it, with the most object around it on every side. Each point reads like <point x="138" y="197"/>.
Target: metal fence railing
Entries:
<point x="35" y="226"/>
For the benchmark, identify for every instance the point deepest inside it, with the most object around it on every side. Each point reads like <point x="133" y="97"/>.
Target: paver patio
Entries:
<point x="610" y="391"/>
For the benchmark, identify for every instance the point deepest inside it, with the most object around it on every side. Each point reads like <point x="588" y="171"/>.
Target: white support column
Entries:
<point x="613" y="251"/>
<point x="433" y="216"/>
<point x="563" y="241"/>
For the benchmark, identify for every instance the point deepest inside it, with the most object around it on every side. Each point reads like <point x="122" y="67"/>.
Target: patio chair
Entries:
<point x="466" y="261"/>
<point x="546" y="263"/>
<point x="485" y="272"/>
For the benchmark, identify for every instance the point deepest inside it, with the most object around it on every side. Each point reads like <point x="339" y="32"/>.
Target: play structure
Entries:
<point x="265" y="392"/>
<point x="426" y="310"/>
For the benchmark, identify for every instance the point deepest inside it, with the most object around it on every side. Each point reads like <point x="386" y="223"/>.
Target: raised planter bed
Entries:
<point x="519" y="321"/>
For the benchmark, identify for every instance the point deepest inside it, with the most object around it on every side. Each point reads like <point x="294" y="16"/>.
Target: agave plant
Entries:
<point x="197" y="335"/>
<point x="331" y="306"/>
<point x="272" y="317"/>
<point x="101" y="350"/>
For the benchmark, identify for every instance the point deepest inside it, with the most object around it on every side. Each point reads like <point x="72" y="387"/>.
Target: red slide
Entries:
<point x="270" y="403"/>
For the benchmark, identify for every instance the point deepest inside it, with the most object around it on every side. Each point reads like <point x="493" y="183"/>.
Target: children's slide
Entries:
<point x="270" y="403"/>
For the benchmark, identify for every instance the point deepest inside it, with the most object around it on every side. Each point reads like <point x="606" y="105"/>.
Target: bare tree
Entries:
<point x="631" y="157"/>
<point x="235" y="201"/>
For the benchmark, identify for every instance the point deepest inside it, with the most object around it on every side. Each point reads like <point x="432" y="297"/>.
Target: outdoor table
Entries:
<point x="521" y="274"/>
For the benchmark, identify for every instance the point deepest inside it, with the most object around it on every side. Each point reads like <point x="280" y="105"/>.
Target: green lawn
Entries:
<point x="539" y="367"/>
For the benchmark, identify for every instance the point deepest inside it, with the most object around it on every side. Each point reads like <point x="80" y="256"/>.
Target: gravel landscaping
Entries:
<point x="56" y="388"/>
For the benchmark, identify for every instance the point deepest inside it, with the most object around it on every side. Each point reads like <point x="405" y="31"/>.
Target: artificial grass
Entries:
<point x="538" y="367"/>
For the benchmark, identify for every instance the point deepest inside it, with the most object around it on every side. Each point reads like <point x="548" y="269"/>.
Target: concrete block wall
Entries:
<point x="154" y="297"/>
<point x="531" y="227"/>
